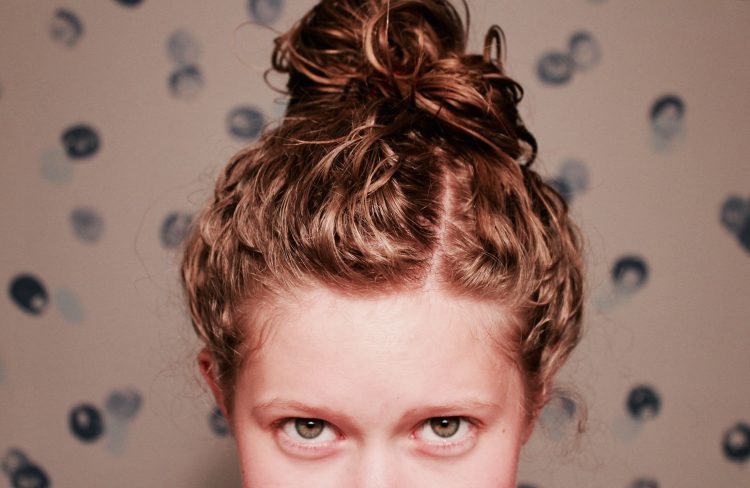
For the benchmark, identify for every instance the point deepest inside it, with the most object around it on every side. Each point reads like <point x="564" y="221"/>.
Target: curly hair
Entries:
<point x="400" y="159"/>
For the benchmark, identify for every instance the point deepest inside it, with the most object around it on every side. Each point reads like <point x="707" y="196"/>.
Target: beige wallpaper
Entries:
<point x="116" y="115"/>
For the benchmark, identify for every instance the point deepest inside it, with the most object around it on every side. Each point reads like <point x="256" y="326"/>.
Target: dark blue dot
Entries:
<point x="30" y="476"/>
<point x="28" y="292"/>
<point x="123" y="404"/>
<point x="174" y="229"/>
<point x="80" y="141"/>
<point x="182" y="48"/>
<point x="265" y="11"/>
<point x="734" y="213"/>
<point x="129" y="3"/>
<point x="186" y="81"/>
<point x="87" y="224"/>
<point x="526" y="485"/>
<point x="14" y="460"/>
<point x="643" y="402"/>
<point x="736" y="443"/>
<point x="555" y="68"/>
<point x="630" y="273"/>
<point x="86" y="422"/>
<point x="66" y="28"/>
<point x="644" y="483"/>
<point x="218" y="422"/>
<point x="584" y="50"/>
<point x="245" y="122"/>
<point x="667" y="114"/>
<point x="743" y="234"/>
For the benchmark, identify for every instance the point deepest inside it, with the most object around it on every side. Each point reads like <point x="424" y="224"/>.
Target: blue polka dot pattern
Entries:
<point x="644" y="483"/>
<point x="245" y="122"/>
<point x="22" y="472"/>
<point x="69" y="305"/>
<point x="736" y="443"/>
<point x="86" y="422"/>
<point x="174" y="229"/>
<point x="129" y="3"/>
<point x="66" y="28"/>
<point x="87" y="223"/>
<point x="643" y="402"/>
<point x="584" y="50"/>
<point x="81" y="141"/>
<point x="218" y="423"/>
<point x="183" y="48"/>
<point x="29" y="294"/>
<point x="630" y="273"/>
<point x="186" y="82"/>
<point x="124" y="404"/>
<point x="555" y="68"/>
<point x="265" y="11"/>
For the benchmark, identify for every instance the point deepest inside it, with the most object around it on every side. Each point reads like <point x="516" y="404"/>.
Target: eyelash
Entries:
<point x="474" y="424"/>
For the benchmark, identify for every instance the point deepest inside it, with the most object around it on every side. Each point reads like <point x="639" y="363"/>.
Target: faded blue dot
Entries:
<point x="644" y="483"/>
<point x="14" y="460"/>
<point x="667" y="115"/>
<point x="557" y="416"/>
<point x="30" y="476"/>
<point x="86" y="422"/>
<point x="218" y="422"/>
<point x="245" y="122"/>
<point x="69" y="306"/>
<point x="29" y="293"/>
<point x="555" y="68"/>
<point x="87" y="224"/>
<point x="129" y="3"/>
<point x="66" y="28"/>
<point x="562" y="187"/>
<point x="80" y="141"/>
<point x="736" y="443"/>
<point x="123" y="404"/>
<point x="183" y="48"/>
<point x="584" y="50"/>
<point x="175" y="228"/>
<point x="186" y="82"/>
<point x="265" y="11"/>
<point x="55" y="166"/>
<point x="643" y="402"/>
<point x="576" y="174"/>
<point x="630" y="273"/>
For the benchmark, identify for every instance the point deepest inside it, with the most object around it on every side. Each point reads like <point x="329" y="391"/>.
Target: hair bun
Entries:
<point x="389" y="57"/>
<point x="384" y="45"/>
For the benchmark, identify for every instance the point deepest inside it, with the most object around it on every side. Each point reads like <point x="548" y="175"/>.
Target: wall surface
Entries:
<point x="115" y="117"/>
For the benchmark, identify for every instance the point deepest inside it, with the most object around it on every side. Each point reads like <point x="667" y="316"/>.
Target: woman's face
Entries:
<point x="398" y="391"/>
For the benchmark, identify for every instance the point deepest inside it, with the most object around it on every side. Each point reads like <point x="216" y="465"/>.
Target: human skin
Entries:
<point x="370" y="375"/>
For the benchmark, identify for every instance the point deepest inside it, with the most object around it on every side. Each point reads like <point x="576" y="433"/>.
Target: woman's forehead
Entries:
<point x="325" y="347"/>
<point x="417" y="319"/>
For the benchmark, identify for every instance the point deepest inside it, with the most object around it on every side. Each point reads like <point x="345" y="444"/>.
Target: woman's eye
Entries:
<point x="307" y="429"/>
<point x="443" y="429"/>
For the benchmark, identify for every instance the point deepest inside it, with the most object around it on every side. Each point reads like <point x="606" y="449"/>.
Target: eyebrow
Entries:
<point x="461" y="407"/>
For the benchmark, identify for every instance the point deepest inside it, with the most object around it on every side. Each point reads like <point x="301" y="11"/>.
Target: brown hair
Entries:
<point x="401" y="158"/>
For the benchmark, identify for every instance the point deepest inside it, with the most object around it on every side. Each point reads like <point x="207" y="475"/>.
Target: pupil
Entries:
<point x="444" y="426"/>
<point x="308" y="428"/>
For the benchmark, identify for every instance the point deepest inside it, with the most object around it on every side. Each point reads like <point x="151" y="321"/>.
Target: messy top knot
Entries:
<point x="401" y="60"/>
<point x="400" y="160"/>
